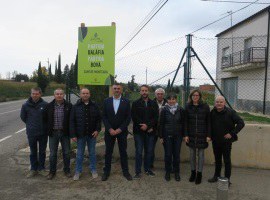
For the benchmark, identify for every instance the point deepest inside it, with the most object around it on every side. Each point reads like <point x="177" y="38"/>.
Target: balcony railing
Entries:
<point x="251" y="55"/>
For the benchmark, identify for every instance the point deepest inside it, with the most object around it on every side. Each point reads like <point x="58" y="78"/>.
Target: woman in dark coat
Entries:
<point x="197" y="133"/>
<point x="171" y="132"/>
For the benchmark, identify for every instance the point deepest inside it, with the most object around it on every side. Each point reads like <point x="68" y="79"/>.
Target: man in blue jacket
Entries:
<point x="116" y="118"/>
<point x="32" y="114"/>
<point x="85" y="124"/>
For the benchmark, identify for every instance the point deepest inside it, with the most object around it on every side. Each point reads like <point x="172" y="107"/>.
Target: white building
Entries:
<point x="243" y="63"/>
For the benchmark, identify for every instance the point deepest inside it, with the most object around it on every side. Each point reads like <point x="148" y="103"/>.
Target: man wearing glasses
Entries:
<point x="116" y="118"/>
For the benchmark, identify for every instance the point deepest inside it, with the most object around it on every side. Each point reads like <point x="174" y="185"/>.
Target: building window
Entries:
<point x="226" y="57"/>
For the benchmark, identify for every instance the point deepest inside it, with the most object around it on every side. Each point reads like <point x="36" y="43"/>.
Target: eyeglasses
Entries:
<point x="195" y="95"/>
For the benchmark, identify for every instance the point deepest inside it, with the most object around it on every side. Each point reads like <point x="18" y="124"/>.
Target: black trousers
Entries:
<point x="172" y="147"/>
<point x="222" y="150"/>
<point x="122" y="144"/>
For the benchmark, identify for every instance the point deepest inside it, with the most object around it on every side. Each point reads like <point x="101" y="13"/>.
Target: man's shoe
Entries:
<point x="104" y="177"/>
<point x="177" y="177"/>
<point x="167" y="176"/>
<point x="213" y="179"/>
<point x="43" y="172"/>
<point x="50" y="176"/>
<point x="198" y="178"/>
<point x="94" y="175"/>
<point x="137" y="176"/>
<point x="76" y="176"/>
<point x="31" y="174"/>
<point x="150" y="173"/>
<point x="128" y="176"/>
<point x="68" y="174"/>
<point x="192" y="176"/>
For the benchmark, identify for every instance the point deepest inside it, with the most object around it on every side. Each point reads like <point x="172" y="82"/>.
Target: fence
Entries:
<point x="237" y="65"/>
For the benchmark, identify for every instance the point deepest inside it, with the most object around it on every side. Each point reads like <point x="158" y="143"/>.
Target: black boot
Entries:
<point x="192" y="176"/>
<point x="167" y="176"/>
<point x="213" y="179"/>
<point x="198" y="178"/>
<point x="177" y="176"/>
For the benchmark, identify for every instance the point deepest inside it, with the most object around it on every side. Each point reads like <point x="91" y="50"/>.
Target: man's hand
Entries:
<point x="143" y="127"/>
<point x="74" y="139"/>
<point x="95" y="134"/>
<point x="208" y="139"/>
<point x="117" y="131"/>
<point x="228" y="136"/>
<point x="150" y="130"/>
<point x="112" y="132"/>
<point x="186" y="139"/>
<point x="161" y="140"/>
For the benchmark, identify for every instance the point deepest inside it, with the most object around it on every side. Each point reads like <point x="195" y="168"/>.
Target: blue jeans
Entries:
<point x="143" y="142"/>
<point x="172" y="147"/>
<point x="37" y="162"/>
<point x="91" y="146"/>
<point x="58" y="136"/>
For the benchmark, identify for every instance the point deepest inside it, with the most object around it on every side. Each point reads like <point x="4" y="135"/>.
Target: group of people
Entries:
<point x="159" y="118"/>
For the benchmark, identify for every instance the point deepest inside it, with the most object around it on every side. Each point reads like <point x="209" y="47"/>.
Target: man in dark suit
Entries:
<point x="116" y="118"/>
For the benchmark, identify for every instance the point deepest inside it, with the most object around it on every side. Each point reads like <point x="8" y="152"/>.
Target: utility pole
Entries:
<point x="146" y="76"/>
<point x="230" y="13"/>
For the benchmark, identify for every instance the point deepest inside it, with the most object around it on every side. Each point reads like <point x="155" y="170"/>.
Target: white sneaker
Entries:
<point x="94" y="175"/>
<point x="76" y="176"/>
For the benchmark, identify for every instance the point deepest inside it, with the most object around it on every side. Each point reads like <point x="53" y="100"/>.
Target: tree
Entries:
<point x="42" y="78"/>
<point x="19" y="77"/>
<point x="14" y="74"/>
<point x="132" y="85"/>
<point x="50" y="76"/>
<point x="58" y="75"/>
<point x="65" y="74"/>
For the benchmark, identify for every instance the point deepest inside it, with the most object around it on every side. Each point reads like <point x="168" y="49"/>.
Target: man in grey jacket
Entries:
<point x="32" y="115"/>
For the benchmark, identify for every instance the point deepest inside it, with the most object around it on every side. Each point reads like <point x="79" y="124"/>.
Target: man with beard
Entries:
<point x="144" y="113"/>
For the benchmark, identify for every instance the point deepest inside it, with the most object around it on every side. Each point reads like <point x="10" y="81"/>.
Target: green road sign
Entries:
<point x="96" y="55"/>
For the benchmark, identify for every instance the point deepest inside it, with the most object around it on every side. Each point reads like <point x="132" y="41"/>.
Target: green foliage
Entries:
<point x="209" y="98"/>
<point x="254" y="118"/>
<point x="11" y="90"/>
<point x="19" y="77"/>
<point x="42" y="79"/>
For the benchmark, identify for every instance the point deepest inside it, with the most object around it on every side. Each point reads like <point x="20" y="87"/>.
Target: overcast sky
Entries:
<point x="35" y="30"/>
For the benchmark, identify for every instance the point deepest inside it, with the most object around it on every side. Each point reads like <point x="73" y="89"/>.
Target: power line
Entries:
<point x="217" y="1"/>
<point x="142" y="27"/>
<point x="162" y="77"/>
<point x="149" y="14"/>
<point x="224" y="17"/>
<point x="149" y="48"/>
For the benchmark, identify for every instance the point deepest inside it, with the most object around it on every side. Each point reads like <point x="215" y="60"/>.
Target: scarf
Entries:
<point x="173" y="108"/>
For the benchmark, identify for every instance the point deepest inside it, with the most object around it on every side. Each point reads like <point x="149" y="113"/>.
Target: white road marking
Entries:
<point x="5" y="138"/>
<point x="20" y="130"/>
<point x="9" y="111"/>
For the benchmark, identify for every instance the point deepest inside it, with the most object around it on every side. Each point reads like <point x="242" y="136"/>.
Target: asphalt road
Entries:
<point x="12" y="129"/>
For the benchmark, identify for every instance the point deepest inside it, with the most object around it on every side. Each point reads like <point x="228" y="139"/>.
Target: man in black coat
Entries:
<point x="144" y="113"/>
<point x="32" y="114"/>
<point x="116" y="118"/>
<point x="226" y="124"/>
<point x="85" y="125"/>
<point x="57" y="117"/>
